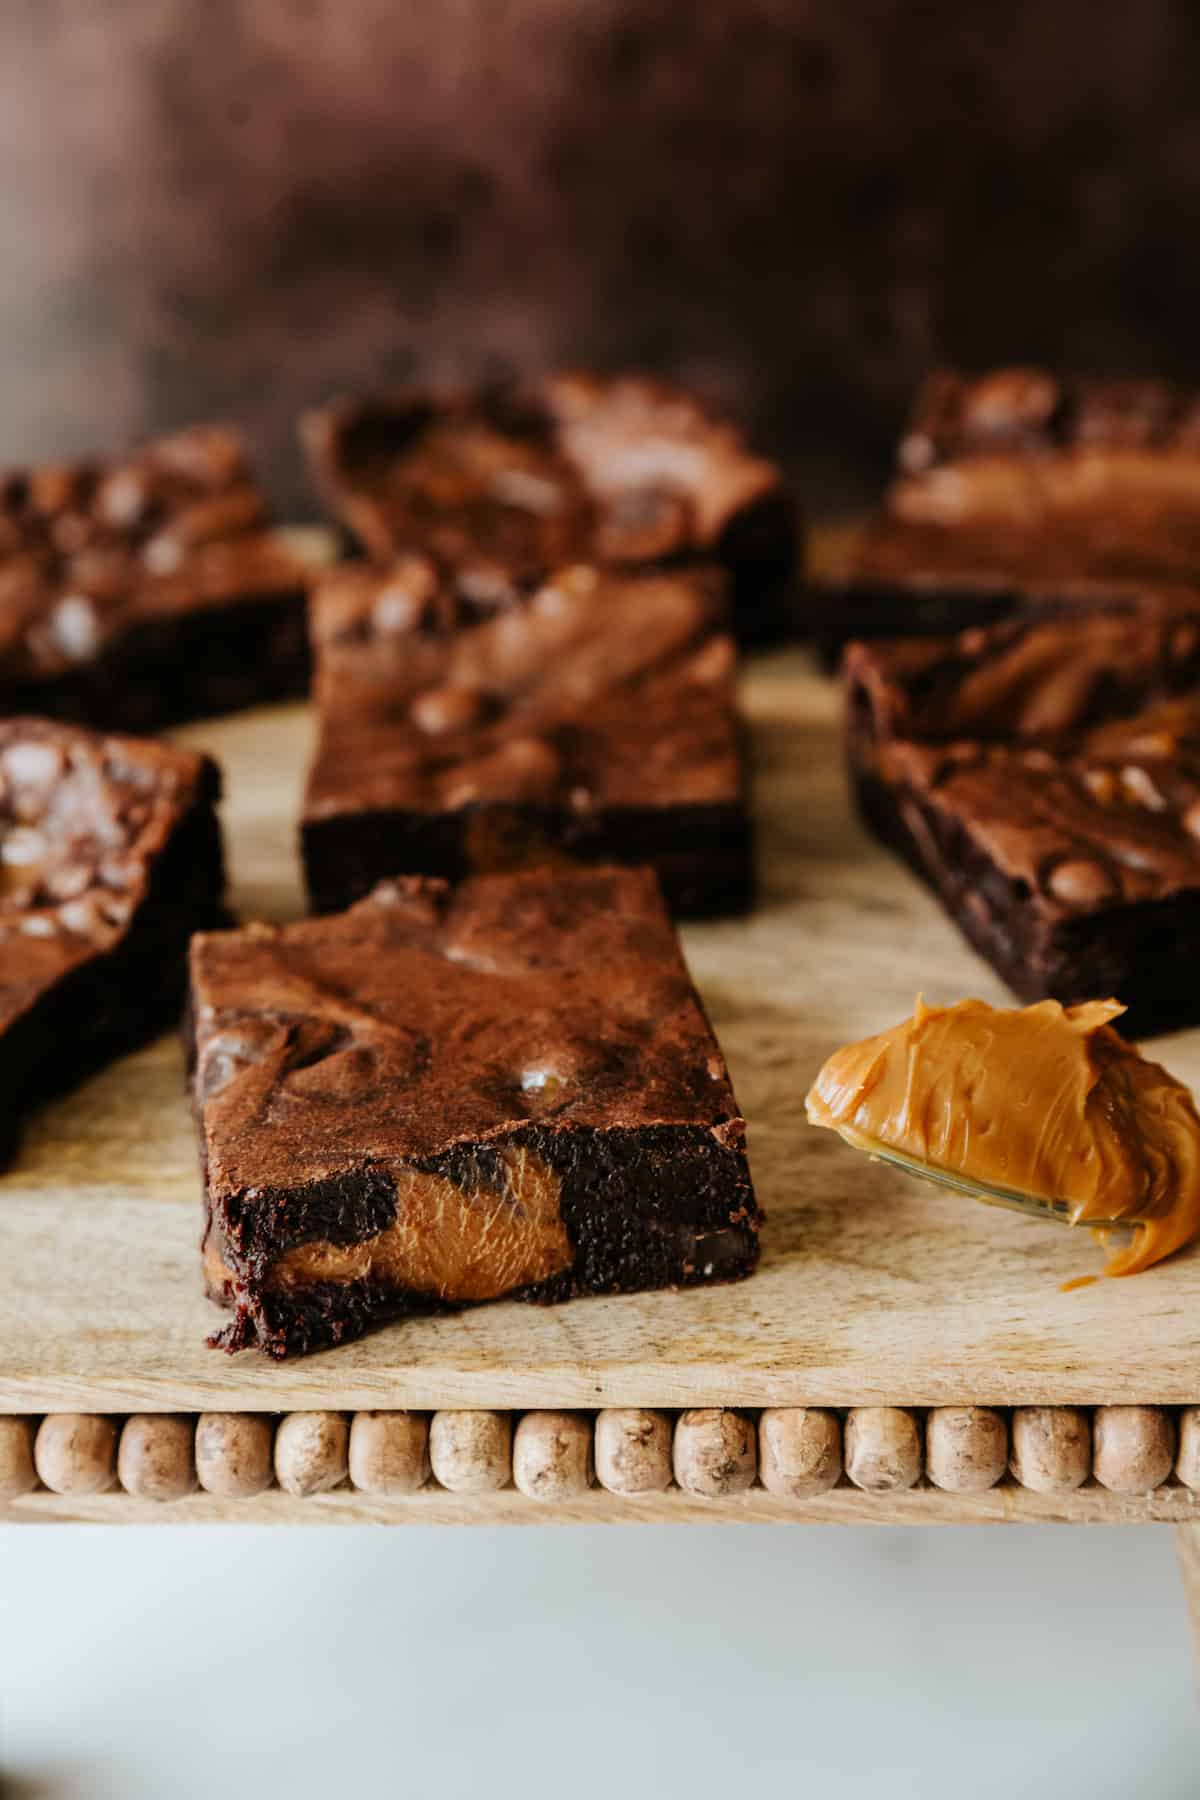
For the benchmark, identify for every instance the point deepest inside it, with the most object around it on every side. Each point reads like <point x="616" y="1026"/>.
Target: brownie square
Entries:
<point x="1042" y="776"/>
<point x="1075" y="872"/>
<point x="143" y="590"/>
<point x="592" y="720"/>
<point x="505" y="485"/>
<point x="1021" y="481"/>
<point x="443" y="1096"/>
<point x="110" y="857"/>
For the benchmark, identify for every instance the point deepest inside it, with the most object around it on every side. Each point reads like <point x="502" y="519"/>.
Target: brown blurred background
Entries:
<point x="237" y="206"/>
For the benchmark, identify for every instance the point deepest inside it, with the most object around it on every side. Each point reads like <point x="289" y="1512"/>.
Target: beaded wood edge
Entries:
<point x="952" y="1463"/>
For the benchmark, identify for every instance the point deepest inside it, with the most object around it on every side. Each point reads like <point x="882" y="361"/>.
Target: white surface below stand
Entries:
<point x="594" y="1663"/>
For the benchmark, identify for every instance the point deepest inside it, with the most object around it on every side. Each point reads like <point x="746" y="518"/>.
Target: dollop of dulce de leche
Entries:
<point x="1045" y="1101"/>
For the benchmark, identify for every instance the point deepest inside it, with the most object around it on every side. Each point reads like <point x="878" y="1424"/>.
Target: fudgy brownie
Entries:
<point x="110" y="857"/>
<point x="504" y="486"/>
<point x="1019" y="481"/>
<point x="143" y="590"/>
<point x="444" y="1096"/>
<point x="593" y="720"/>
<point x="1075" y="872"/>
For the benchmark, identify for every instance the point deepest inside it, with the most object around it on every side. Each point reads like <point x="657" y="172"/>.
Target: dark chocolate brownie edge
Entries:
<point x="120" y="1000"/>
<point x="703" y="855"/>
<point x="660" y="1206"/>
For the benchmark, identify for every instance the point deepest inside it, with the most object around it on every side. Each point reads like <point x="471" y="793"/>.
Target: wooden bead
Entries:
<point x="155" y="1460"/>
<point x="633" y="1450"/>
<point x="966" y="1448"/>
<point x="234" y="1454"/>
<point x="389" y="1452"/>
<point x="552" y="1455"/>
<point x="1051" y="1448"/>
<point x="76" y="1453"/>
<point x="715" y="1452"/>
<point x="17" y="1473"/>
<point x="1187" y="1463"/>
<point x="1134" y="1448"/>
<point x="883" y="1449"/>
<point x="311" y="1452"/>
<point x="799" y="1450"/>
<point x="471" y="1452"/>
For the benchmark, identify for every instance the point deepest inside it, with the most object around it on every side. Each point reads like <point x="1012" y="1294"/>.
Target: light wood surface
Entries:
<point x="872" y="1289"/>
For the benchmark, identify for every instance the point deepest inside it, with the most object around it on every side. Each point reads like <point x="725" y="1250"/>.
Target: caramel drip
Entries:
<point x="1047" y="1102"/>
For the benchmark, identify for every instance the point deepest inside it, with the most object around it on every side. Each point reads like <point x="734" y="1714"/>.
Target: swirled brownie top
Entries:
<point x="425" y="1016"/>
<point x="598" y="689"/>
<point x="1109" y="818"/>
<point x="1044" y="672"/>
<point x="505" y="485"/>
<point x="83" y="820"/>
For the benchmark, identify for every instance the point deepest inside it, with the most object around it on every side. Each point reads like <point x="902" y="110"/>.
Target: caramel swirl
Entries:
<point x="1044" y="1101"/>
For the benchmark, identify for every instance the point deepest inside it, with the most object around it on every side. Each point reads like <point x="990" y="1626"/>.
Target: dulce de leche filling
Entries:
<point x="456" y="1243"/>
<point x="1046" y="1101"/>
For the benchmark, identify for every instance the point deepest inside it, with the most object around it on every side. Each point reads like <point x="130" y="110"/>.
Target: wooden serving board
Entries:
<point x="872" y="1288"/>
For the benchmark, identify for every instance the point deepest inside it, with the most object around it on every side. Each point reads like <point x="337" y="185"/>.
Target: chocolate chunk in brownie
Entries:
<point x="110" y="857"/>
<point x="144" y="589"/>
<point x="444" y="1096"/>
<point x="592" y="719"/>
<point x="1018" y="481"/>
<point x="504" y="486"/>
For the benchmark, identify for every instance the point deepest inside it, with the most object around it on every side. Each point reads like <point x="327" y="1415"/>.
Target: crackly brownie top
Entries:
<point x="1108" y="818"/>
<point x="1058" y="670"/>
<point x="599" y="689"/>
<point x="504" y="485"/>
<point x="85" y="546"/>
<point x="83" y="817"/>
<point x="425" y="1017"/>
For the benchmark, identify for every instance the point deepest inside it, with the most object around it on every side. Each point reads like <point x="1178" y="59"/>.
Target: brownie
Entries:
<point x="503" y="486"/>
<point x="1018" y="481"/>
<point x="143" y="590"/>
<point x="1044" y="778"/>
<point x="444" y="1095"/>
<point x="1075" y="872"/>
<point x="591" y="720"/>
<point x="110" y="857"/>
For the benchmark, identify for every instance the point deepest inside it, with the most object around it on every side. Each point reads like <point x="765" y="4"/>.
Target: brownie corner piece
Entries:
<point x="591" y="720"/>
<point x="110" y="856"/>
<point x="522" y="1097"/>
